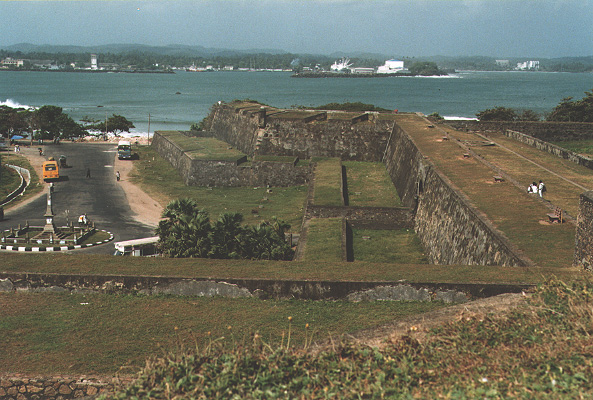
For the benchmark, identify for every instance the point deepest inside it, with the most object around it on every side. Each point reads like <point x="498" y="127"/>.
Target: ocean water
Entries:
<point x="175" y="101"/>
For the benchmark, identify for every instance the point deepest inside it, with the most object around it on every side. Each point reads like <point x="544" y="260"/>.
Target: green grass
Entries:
<point x="578" y="146"/>
<point x="324" y="240"/>
<point x="97" y="334"/>
<point x="541" y="350"/>
<point x="397" y="246"/>
<point x="161" y="181"/>
<point x="203" y="148"/>
<point x="328" y="182"/>
<point x="34" y="187"/>
<point x="10" y="180"/>
<point x="369" y="185"/>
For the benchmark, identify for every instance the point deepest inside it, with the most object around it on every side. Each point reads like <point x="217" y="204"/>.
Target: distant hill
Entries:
<point x="170" y="50"/>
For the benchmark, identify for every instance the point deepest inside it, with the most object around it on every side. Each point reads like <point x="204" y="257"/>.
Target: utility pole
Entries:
<point x="149" y="129"/>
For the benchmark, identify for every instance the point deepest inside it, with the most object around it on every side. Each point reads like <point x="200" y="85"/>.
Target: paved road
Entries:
<point x="99" y="196"/>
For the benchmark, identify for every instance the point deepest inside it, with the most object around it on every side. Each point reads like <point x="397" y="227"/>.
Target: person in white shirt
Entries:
<point x="532" y="188"/>
<point x="541" y="189"/>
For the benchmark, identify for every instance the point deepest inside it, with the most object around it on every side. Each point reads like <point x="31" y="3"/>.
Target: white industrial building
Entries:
<point x="528" y="66"/>
<point x="391" y="67"/>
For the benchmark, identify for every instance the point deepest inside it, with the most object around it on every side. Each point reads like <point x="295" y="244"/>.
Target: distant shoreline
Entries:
<point x="338" y="75"/>
<point x="90" y="71"/>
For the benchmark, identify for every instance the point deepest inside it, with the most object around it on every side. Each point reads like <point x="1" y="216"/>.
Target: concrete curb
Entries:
<point x="21" y="189"/>
<point x="28" y="249"/>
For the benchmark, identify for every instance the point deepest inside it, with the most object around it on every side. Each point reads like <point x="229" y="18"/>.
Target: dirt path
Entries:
<point x="146" y="210"/>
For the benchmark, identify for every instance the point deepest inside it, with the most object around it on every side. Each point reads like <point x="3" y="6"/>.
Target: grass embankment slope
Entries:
<point x="540" y="350"/>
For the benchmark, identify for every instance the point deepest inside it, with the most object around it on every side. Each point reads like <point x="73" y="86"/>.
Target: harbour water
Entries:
<point x="175" y="101"/>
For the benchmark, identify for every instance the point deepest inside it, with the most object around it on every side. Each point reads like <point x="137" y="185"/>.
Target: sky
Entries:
<point x="404" y="28"/>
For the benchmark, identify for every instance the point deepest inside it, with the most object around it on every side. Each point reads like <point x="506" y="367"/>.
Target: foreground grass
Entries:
<point x="89" y="264"/>
<point x="163" y="183"/>
<point x="540" y="350"/>
<point x="43" y="333"/>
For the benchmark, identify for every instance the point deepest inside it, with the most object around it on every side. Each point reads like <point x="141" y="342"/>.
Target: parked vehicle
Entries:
<point x="50" y="169"/>
<point x="124" y="150"/>
<point x="144" y="247"/>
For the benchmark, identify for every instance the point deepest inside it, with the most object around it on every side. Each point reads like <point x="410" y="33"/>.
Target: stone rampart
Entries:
<point x="583" y="254"/>
<point x="225" y="173"/>
<point x="550" y="148"/>
<point x="451" y="230"/>
<point x="362" y="138"/>
<point x="547" y="131"/>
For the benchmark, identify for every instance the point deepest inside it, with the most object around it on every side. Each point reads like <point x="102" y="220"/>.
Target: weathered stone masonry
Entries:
<point x="450" y="228"/>
<point x="583" y="254"/>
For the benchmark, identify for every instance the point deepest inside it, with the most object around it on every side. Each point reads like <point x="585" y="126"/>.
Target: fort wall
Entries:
<point x="260" y="131"/>
<point x="230" y="173"/>
<point x="451" y="230"/>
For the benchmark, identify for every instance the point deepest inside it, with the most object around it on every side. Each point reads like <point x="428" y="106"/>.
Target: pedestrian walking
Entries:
<point x="117" y="176"/>
<point x="88" y="172"/>
<point x="541" y="188"/>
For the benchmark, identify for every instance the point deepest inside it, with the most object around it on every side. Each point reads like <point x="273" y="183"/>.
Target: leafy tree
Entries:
<point x="573" y="110"/>
<point x="186" y="231"/>
<point x="50" y="123"/>
<point x="497" y="114"/>
<point x="115" y="124"/>
<point x="424" y="68"/>
<point x="13" y="121"/>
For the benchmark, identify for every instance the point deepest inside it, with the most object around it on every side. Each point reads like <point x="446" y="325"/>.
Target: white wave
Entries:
<point x="455" y="118"/>
<point x="13" y="104"/>
<point x="455" y="76"/>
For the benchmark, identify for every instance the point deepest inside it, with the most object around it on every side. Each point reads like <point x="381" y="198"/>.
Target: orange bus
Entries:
<point x="50" y="169"/>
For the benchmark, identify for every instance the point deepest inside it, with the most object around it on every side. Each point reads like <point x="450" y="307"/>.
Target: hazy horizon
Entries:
<point x="404" y="28"/>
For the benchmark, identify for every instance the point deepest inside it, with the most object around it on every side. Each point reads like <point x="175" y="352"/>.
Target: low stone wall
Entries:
<point x="235" y="288"/>
<point x="583" y="254"/>
<point x="365" y="217"/>
<point x="550" y="148"/>
<point x="19" y="387"/>
<point x="547" y="131"/>
<point x="221" y="173"/>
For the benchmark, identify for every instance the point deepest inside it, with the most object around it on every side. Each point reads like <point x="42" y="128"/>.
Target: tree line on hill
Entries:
<point x="144" y="58"/>
<point x="50" y="122"/>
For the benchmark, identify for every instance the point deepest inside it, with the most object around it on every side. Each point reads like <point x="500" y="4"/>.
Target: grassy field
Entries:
<point x="9" y="181"/>
<point x="328" y="182"/>
<point x="381" y="246"/>
<point x="15" y="180"/>
<point x="584" y="147"/>
<point x="369" y="185"/>
<point x="324" y="240"/>
<point x="97" y="334"/>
